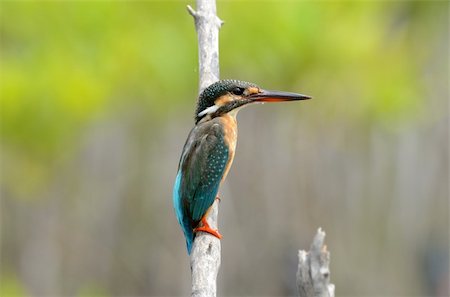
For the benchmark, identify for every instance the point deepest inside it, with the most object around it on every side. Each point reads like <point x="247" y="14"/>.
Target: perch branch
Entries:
<point x="207" y="25"/>
<point x="205" y="255"/>
<point x="313" y="274"/>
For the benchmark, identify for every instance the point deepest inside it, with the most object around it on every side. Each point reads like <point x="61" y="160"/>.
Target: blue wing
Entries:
<point x="202" y="165"/>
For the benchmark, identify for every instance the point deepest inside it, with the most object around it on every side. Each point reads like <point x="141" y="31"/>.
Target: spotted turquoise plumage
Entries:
<point x="202" y="165"/>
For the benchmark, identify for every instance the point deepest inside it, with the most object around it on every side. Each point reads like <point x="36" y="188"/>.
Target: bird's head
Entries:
<point x="229" y="95"/>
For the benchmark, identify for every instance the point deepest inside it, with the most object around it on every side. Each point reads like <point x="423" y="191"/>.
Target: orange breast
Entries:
<point x="230" y="135"/>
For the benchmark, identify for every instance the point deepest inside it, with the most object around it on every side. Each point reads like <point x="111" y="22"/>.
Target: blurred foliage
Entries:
<point x="66" y="63"/>
<point x="370" y="45"/>
<point x="11" y="287"/>
<point x="68" y="67"/>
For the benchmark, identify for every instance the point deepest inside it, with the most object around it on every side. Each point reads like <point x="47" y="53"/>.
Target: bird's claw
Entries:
<point x="206" y="228"/>
<point x="209" y="230"/>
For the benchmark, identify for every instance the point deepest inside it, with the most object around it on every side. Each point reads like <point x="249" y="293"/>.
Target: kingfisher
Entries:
<point x="209" y="150"/>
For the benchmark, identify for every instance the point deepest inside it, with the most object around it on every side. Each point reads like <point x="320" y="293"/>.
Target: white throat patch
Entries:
<point x="209" y="110"/>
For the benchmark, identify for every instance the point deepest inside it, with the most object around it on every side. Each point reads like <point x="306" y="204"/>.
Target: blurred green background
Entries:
<point x="97" y="99"/>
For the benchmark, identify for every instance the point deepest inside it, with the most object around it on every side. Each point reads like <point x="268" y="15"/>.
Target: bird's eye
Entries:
<point x="238" y="91"/>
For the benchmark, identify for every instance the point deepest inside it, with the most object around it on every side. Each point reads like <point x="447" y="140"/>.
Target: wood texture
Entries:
<point x="313" y="274"/>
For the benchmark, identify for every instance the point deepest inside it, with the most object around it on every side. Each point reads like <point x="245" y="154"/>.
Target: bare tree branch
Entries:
<point x="207" y="25"/>
<point x="313" y="274"/>
<point x="205" y="255"/>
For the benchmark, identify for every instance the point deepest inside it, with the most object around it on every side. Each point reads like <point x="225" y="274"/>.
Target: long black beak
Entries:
<point x="277" y="96"/>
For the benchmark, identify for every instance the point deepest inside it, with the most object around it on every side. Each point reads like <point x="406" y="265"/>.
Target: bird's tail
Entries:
<point x="181" y="217"/>
<point x="189" y="235"/>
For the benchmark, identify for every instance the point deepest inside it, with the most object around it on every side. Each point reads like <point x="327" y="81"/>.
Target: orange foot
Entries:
<point x="206" y="228"/>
